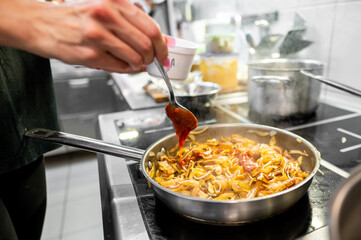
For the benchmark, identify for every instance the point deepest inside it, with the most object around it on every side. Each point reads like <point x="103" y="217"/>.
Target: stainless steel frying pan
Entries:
<point x="220" y="212"/>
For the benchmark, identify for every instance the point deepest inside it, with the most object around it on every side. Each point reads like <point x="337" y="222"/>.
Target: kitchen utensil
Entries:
<point x="184" y="121"/>
<point x="299" y="21"/>
<point x="172" y="99"/>
<point x="220" y="42"/>
<point x="191" y="84"/>
<point x="195" y="95"/>
<point x="294" y="46"/>
<point x="293" y="42"/>
<point x="266" y="47"/>
<point x="333" y="83"/>
<point x="201" y="98"/>
<point x="180" y="54"/>
<point x="268" y="42"/>
<point x="250" y="40"/>
<point x="187" y="87"/>
<point x="222" y="212"/>
<point x="345" y="208"/>
<point x="277" y="89"/>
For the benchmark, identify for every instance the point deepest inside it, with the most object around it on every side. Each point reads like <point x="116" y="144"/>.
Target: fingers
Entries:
<point x="89" y="57"/>
<point x="132" y="36"/>
<point x="111" y="63"/>
<point x="147" y="26"/>
<point x="98" y="33"/>
<point x="122" y="34"/>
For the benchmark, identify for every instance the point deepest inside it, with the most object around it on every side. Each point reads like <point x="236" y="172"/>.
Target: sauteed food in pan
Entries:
<point x="230" y="168"/>
<point x="270" y="170"/>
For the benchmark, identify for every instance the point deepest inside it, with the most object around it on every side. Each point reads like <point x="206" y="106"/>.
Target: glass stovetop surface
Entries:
<point x="335" y="132"/>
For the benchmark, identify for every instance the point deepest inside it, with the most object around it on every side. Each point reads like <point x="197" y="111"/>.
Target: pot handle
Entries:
<point x="89" y="144"/>
<point x="286" y="80"/>
<point x="332" y="83"/>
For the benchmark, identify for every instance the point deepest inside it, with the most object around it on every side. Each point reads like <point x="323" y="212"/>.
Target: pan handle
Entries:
<point x="332" y="83"/>
<point x="89" y="144"/>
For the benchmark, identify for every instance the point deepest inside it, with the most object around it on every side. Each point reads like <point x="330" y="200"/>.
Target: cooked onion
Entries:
<point x="230" y="168"/>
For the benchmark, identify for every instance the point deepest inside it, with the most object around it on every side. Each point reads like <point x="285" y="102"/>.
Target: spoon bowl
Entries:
<point x="184" y="120"/>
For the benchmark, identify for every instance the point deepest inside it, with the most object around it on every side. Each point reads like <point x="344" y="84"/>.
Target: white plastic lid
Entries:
<point x="183" y="47"/>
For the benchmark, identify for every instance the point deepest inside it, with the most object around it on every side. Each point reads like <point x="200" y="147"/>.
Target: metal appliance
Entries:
<point x="131" y="211"/>
<point x="82" y="94"/>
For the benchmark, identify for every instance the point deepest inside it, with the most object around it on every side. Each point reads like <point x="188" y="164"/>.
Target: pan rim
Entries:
<point x="237" y="201"/>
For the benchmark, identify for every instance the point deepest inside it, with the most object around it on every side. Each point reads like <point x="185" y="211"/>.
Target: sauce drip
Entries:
<point x="183" y="120"/>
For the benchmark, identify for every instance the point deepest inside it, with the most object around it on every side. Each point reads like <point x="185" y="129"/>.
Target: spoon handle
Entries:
<point x="166" y="79"/>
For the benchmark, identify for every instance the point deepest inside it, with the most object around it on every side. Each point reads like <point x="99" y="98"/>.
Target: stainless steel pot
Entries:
<point x="345" y="209"/>
<point x="201" y="97"/>
<point x="277" y="89"/>
<point x="222" y="212"/>
<point x="194" y="94"/>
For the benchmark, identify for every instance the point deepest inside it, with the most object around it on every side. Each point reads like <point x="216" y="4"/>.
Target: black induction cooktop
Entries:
<point x="335" y="132"/>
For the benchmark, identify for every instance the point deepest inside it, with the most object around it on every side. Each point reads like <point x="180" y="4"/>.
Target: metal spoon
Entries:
<point x="169" y="85"/>
<point x="184" y="121"/>
<point x="172" y="99"/>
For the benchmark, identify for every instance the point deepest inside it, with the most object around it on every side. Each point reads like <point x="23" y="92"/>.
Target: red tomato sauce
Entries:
<point x="183" y="120"/>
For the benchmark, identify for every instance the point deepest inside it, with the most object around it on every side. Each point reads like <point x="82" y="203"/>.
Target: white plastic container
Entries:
<point x="221" y="68"/>
<point x="220" y="43"/>
<point x="180" y="54"/>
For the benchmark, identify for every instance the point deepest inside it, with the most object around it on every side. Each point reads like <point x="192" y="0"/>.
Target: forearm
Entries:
<point x="30" y="25"/>
<point x="14" y="15"/>
<point x="113" y="35"/>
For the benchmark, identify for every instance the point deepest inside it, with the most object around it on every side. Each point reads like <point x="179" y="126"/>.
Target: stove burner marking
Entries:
<point x="335" y="119"/>
<point x="334" y="168"/>
<point x="349" y="133"/>
<point x="353" y="135"/>
<point x="324" y="163"/>
<point x="350" y="148"/>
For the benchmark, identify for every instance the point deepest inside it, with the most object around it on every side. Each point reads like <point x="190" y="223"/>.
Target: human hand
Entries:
<point x="113" y="35"/>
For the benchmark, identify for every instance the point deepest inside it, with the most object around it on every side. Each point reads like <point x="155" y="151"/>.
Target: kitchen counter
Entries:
<point x="131" y="87"/>
<point x="130" y="210"/>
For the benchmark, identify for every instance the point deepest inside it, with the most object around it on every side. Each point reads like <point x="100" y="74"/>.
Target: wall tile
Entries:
<point x="319" y="21"/>
<point x="340" y="1"/>
<point x="261" y="6"/>
<point x="305" y="3"/>
<point x="319" y="29"/>
<point x="285" y="21"/>
<point x="345" y="60"/>
<point x="342" y="99"/>
<point x="205" y="9"/>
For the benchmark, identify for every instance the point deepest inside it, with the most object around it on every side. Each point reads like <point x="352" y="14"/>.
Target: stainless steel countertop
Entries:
<point x="121" y="204"/>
